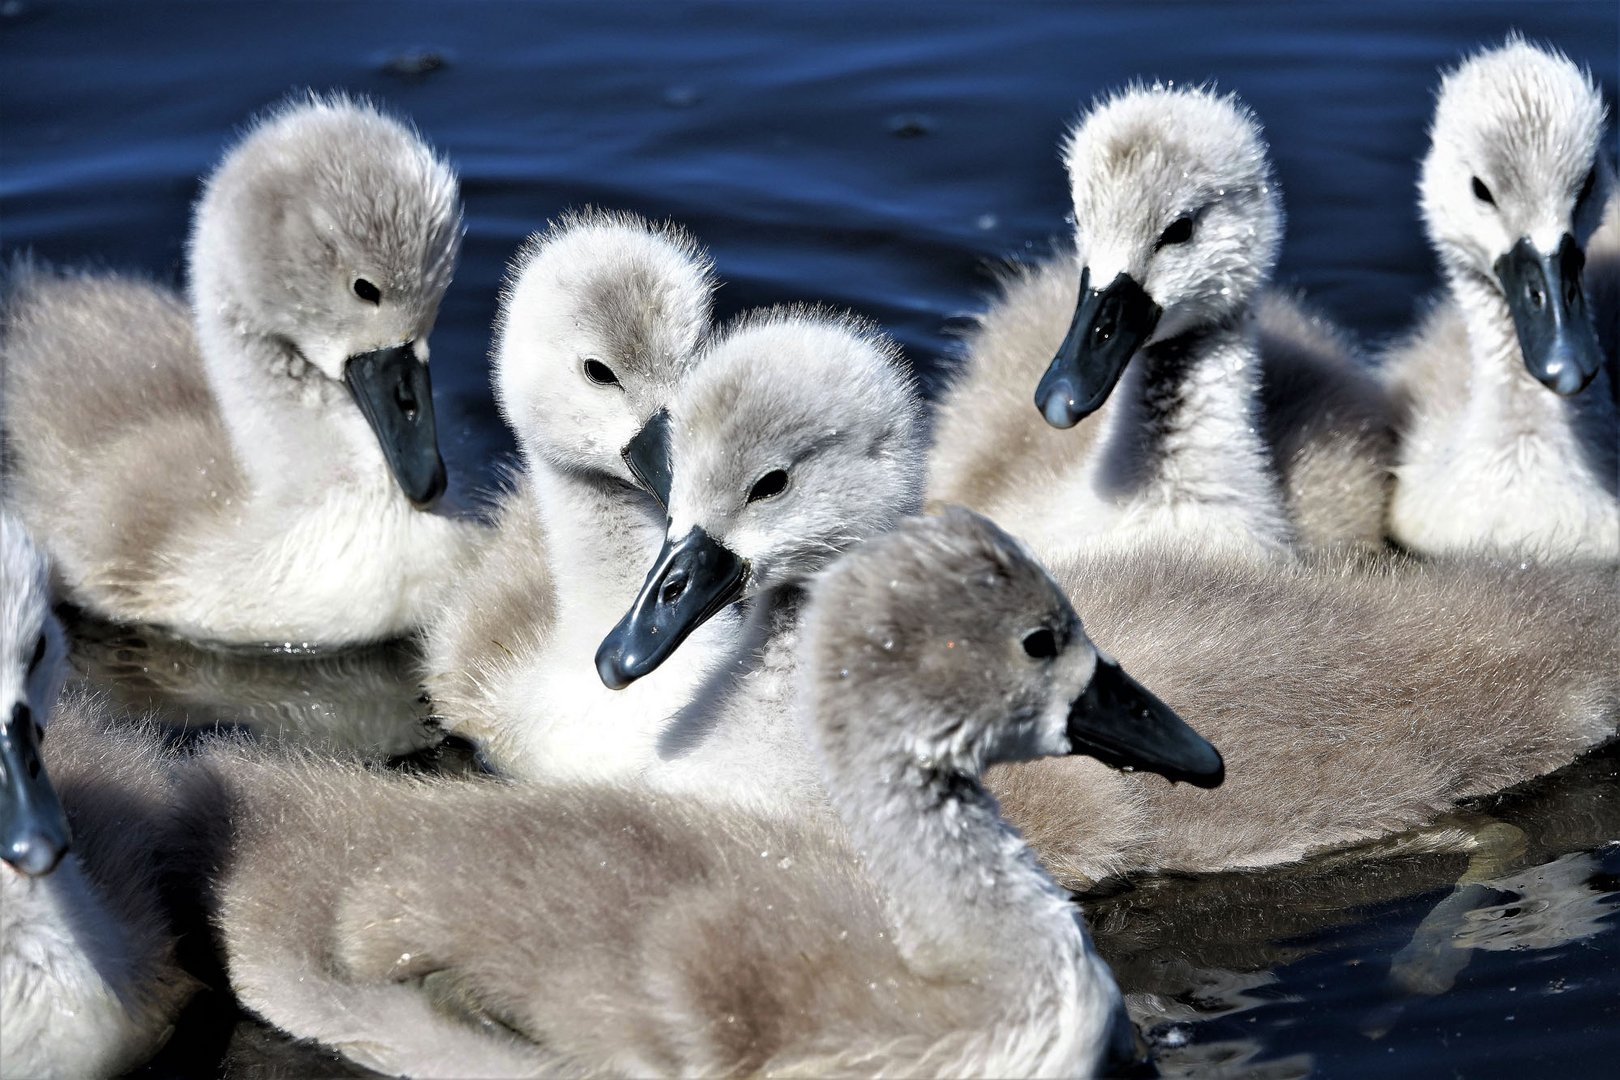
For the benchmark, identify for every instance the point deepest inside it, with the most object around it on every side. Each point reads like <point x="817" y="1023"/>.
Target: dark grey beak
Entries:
<point x="1121" y="723"/>
<point x="693" y="578"/>
<point x="647" y="455"/>
<point x="393" y="390"/>
<point x="34" y="832"/>
<point x="1109" y="326"/>
<point x="1556" y="334"/>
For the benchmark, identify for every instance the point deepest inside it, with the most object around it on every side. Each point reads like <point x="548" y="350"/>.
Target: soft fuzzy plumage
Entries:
<point x="597" y="929"/>
<point x="509" y="658"/>
<point x="88" y="980"/>
<point x="1352" y="700"/>
<point x="824" y="398"/>
<point x="1280" y="394"/>
<point x="1490" y="458"/>
<point x="204" y="466"/>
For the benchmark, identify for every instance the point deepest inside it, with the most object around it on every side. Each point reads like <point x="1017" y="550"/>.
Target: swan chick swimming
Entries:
<point x="1204" y="387"/>
<point x="1380" y="695"/>
<point x="1511" y="434"/>
<point x="252" y="468"/>
<point x="89" y="986"/>
<point x="595" y="929"/>
<point x="797" y="437"/>
<point x="601" y="317"/>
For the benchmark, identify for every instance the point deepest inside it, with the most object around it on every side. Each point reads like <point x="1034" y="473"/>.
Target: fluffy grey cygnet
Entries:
<point x="1511" y="434"/>
<point x="251" y="467"/>
<point x="1354" y="699"/>
<point x="796" y="437"/>
<point x="596" y="929"/>
<point x="1239" y="419"/>
<point x="601" y="317"/>
<point x="89" y="986"/>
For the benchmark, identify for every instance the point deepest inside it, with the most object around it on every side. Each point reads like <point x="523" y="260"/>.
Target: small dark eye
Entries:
<point x="39" y="654"/>
<point x="1483" y="193"/>
<point x="1041" y="644"/>
<point x="366" y="291"/>
<point x="772" y="483"/>
<point x="600" y="374"/>
<point x="1586" y="187"/>
<point x="1178" y="231"/>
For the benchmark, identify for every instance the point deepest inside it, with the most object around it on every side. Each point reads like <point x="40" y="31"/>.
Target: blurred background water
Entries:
<point x="888" y="158"/>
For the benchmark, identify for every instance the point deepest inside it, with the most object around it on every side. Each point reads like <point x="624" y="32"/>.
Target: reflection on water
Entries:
<point x="880" y="156"/>
<point x="1253" y="974"/>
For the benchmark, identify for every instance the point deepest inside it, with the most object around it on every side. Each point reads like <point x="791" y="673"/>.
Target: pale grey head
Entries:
<point x="33" y="829"/>
<point x="944" y="647"/>
<point x="796" y="437"/>
<point x="1177" y="224"/>
<point x="601" y="316"/>
<point x="321" y="248"/>
<point x="1513" y="186"/>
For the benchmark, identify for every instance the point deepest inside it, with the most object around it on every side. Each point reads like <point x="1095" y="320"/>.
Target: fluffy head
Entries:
<point x="600" y="317"/>
<point x="1513" y="154"/>
<point x="32" y="647"/>
<point x="943" y="644"/>
<point x="330" y="226"/>
<point x="1173" y="188"/>
<point x="798" y="436"/>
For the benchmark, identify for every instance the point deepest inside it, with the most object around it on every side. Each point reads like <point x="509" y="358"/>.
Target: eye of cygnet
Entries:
<point x="1178" y="231"/>
<point x="366" y="291"/>
<point x="1041" y="643"/>
<point x="1483" y="193"/>
<point x="769" y="486"/>
<point x="600" y="374"/>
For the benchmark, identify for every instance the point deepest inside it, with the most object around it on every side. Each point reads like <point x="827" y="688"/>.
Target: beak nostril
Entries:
<point x="406" y="400"/>
<point x="673" y="589"/>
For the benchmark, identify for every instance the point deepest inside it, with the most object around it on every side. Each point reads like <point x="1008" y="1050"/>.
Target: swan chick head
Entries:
<point x="328" y="235"/>
<point x="1177" y="224"/>
<point x="797" y="437"/>
<point x="1512" y="188"/>
<point x="944" y="647"/>
<point x="601" y="316"/>
<point x="33" y="828"/>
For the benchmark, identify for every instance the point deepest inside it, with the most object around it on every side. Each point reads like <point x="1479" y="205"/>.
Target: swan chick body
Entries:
<point x="248" y="468"/>
<point x="89" y="986"/>
<point x="598" y="929"/>
<point x="1383" y="693"/>
<point x="1511" y="435"/>
<point x="797" y="437"/>
<point x="1220" y="387"/>
<point x="601" y="317"/>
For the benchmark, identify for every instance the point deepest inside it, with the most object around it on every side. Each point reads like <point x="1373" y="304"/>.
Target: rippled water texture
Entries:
<point x="885" y="157"/>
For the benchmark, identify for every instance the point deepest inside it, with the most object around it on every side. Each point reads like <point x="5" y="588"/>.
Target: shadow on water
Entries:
<point x="886" y="157"/>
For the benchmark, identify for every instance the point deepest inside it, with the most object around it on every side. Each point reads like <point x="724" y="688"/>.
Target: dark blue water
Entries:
<point x="886" y="158"/>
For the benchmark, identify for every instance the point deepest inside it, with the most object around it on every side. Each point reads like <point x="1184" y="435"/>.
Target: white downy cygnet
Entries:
<point x="595" y="928"/>
<point x="797" y="437"/>
<point x="252" y="467"/>
<point x="601" y="317"/>
<point x="1511" y="435"/>
<point x="89" y="986"/>
<point x="1220" y="386"/>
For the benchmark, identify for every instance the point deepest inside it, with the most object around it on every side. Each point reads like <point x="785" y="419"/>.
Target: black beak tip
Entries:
<point x="430" y="492"/>
<point x="35" y="855"/>
<point x="1056" y="401"/>
<point x="1209" y="773"/>
<point x="615" y="670"/>
<point x="1565" y="378"/>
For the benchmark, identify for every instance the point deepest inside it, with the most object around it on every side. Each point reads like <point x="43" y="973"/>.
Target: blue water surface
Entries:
<point x="886" y="157"/>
